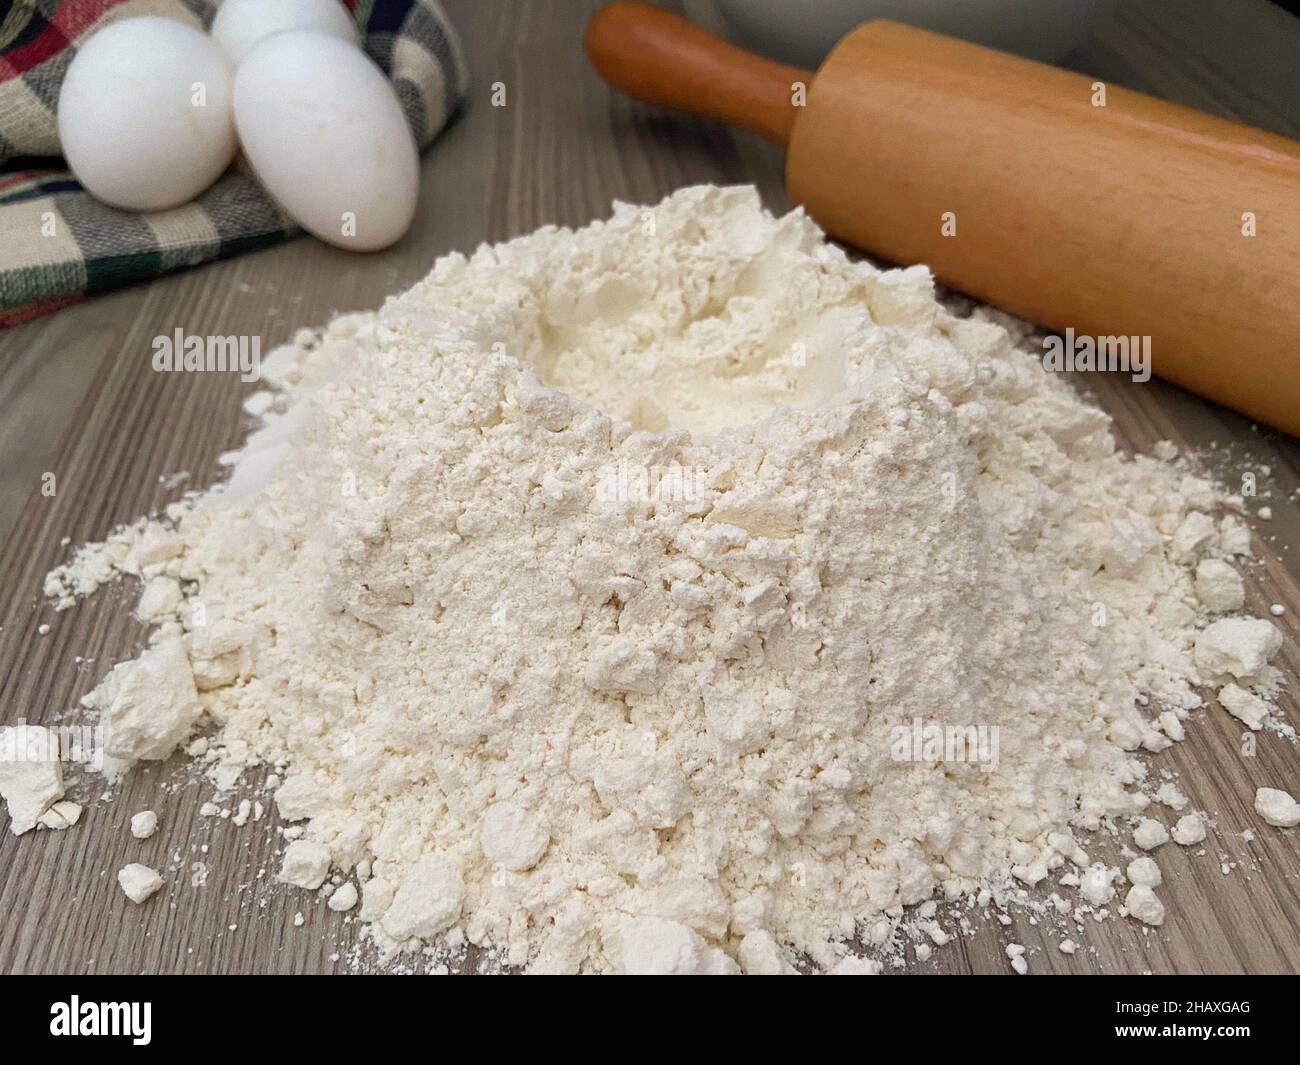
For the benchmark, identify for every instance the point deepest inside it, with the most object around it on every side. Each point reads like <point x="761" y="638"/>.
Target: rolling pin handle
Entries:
<point x="656" y="56"/>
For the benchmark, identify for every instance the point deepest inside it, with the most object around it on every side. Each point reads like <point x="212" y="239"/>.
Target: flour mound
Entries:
<point x="599" y="596"/>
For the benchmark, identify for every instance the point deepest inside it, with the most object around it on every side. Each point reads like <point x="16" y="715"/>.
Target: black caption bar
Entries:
<point x="304" y="1014"/>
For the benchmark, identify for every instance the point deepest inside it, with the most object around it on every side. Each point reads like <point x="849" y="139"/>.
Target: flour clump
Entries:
<point x="677" y="595"/>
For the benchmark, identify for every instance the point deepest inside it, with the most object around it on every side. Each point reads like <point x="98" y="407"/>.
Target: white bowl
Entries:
<point x="803" y="31"/>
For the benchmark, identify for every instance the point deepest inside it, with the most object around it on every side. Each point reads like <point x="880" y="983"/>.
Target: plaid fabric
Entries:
<point x="58" y="244"/>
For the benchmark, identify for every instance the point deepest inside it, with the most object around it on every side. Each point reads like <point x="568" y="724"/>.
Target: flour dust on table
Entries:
<point x="677" y="595"/>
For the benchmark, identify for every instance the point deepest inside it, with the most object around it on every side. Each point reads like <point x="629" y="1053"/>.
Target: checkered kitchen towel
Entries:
<point x="58" y="244"/>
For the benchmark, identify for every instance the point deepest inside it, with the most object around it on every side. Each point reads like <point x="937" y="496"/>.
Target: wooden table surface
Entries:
<point x="78" y="399"/>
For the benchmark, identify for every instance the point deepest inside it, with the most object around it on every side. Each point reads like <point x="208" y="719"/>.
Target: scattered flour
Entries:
<point x="589" y="595"/>
<point x="1145" y="872"/>
<point x="139" y="882"/>
<point x="31" y="781"/>
<point x="144" y="824"/>
<point x="1096" y="884"/>
<point x="1189" y="831"/>
<point x="1218" y="586"/>
<point x="1239" y="647"/>
<point x="655" y="946"/>
<point x="1141" y="902"/>
<point x="148" y="705"/>
<point x="344" y="898"/>
<point x="1249" y="709"/>
<point x="306" y="864"/>
<point x="1277" y="807"/>
<point x="1150" y="834"/>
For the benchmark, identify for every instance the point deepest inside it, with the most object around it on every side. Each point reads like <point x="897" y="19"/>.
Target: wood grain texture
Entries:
<point x="78" y="398"/>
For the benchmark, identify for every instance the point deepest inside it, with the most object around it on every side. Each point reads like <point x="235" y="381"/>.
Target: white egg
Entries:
<point x="145" y="114"/>
<point x="240" y="24"/>
<point x="324" y="132"/>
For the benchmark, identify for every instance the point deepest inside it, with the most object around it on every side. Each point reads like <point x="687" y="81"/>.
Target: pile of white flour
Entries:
<point x="584" y="597"/>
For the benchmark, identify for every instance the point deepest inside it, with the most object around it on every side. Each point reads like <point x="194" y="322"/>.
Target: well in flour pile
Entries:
<point x="582" y="593"/>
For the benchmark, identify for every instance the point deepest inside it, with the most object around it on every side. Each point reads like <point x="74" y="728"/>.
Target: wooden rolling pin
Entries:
<point x="1128" y="219"/>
